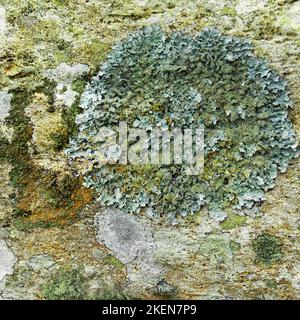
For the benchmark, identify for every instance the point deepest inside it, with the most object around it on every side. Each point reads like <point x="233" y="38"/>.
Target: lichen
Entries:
<point x="48" y="199"/>
<point x="232" y="221"/>
<point x="268" y="249"/>
<point x="5" y="99"/>
<point x="36" y="36"/>
<point x="152" y="79"/>
<point x="109" y="293"/>
<point x="113" y="261"/>
<point x="67" y="284"/>
<point x="229" y="11"/>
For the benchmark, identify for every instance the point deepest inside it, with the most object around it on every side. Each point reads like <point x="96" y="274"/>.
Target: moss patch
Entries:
<point x="268" y="249"/>
<point x="66" y="284"/>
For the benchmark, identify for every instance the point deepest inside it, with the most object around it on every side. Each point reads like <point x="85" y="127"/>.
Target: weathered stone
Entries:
<point x="7" y="260"/>
<point x="5" y="106"/>
<point x="130" y="239"/>
<point x="44" y="41"/>
<point x="290" y="21"/>
<point x="2" y="22"/>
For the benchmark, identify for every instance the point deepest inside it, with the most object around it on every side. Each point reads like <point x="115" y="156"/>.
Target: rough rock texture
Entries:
<point x="47" y="217"/>
<point x="130" y="239"/>
<point x="5" y="99"/>
<point x="7" y="260"/>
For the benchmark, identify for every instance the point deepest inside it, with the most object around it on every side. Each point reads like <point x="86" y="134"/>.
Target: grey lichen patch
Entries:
<point x="217" y="249"/>
<point x="5" y="99"/>
<point x="218" y="215"/>
<point x="123" y="234"/>
<point x="131" y="241"/>
<point x="245" y="7"/>
<point x="7" y="260"/>
<point x="40" y="262"/>
<point x="152" y="80"/>
<point x="64" y="75"/>
<point x="2" y="22"/>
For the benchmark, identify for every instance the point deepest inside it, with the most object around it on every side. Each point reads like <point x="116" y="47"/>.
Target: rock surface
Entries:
<point x="48" y="52"/>
<point x="5" y="99"/>
<point x="7" y="260"/>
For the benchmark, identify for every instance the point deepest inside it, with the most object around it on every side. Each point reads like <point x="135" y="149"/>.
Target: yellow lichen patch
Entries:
<point x="56" y="163"/>
<point x="12" y="70"/>
<point x="6" y="131"/>
<point x="45" y="124"/>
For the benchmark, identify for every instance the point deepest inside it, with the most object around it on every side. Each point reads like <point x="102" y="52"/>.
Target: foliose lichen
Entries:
<point x="153" y="79"/>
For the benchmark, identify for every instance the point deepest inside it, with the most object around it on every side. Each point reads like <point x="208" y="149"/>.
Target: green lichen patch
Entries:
<point x="21" y="224"/>
<point x="154" y="80"/>
<point x="229" y="11"/>
<point x="268" y="249"/>
<point x="217" y="249"/>
<point x="67" y="284"/>
<point x="113" y="261"/>
<point x="108" y="292"/>
<point x="232" y="221"/>
<point x="234" y="246"/>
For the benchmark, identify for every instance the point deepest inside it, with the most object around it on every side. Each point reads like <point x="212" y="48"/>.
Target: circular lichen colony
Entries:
<point x="151" y="80"/>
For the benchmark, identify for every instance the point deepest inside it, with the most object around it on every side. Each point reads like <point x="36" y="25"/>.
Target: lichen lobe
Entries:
<point x="153" y="79"/>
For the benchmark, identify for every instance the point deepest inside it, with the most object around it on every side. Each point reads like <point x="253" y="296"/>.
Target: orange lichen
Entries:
<point x="44" y="200"/>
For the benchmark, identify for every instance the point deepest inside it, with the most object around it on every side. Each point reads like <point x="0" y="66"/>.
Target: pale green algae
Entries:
<point x="152" y="79"/>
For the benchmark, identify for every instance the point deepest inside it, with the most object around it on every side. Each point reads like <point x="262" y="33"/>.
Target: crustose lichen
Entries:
<point x="153" y="79"/>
